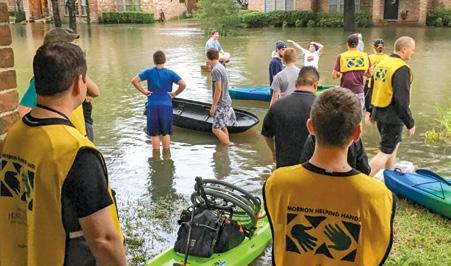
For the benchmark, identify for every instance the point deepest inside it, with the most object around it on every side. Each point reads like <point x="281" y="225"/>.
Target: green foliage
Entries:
<point x="254" y="19"/>
<point x="130" y="17"/>
<point x="12" y="13"/>
<point x="364" y="19"/>
<point x="443" y="133"/>
<point x="297" y="18"/>
<point x="332" y="20"/>
<point x="421" y="237"/>
<point x="439" y="17"/>
<point x="220" y="15"/>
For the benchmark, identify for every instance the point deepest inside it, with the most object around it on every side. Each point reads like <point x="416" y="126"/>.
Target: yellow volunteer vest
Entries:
<point x="327" y="220"/>
<point x="374" y="60"/>
<point x="353" y="60"/>
<point x="382" y="77"/>
<point x="78" y="120"/>
<point x="35" y="163"/>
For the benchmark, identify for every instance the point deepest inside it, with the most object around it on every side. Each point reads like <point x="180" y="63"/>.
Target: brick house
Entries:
<point x="38" y="9"/>
<point x="411" y="12"/>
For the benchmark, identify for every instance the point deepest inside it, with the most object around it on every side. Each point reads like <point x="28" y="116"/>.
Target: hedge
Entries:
<point x="296" y="18"/>
<point x="131" y="17"/>
<point x="439" y="17"/>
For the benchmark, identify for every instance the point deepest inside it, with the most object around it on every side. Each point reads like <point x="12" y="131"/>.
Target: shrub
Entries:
<point x="301" y="18"/>
<point x="12" y="13"/>
<point x="311" y="23"/>
<point x="331" y="20"/>
<point x="364" y="19"/>
<point x="276" y="18"/>
<point x="130" y="17"/>
<point x="254" y="19"/>
<point x="439" y="17"/>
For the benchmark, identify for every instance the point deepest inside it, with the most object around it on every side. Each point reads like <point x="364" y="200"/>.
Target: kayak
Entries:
<point x="196" y="116"/>
<point x="423" y="187"/>
<point x="262" y="93"/>
<point x="243" y="254"/>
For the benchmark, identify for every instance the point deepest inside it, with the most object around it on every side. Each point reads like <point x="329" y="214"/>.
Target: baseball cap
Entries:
<point x="60" y="35"/>
<point x="379" y="43"/>
<point x="280" y="45"/>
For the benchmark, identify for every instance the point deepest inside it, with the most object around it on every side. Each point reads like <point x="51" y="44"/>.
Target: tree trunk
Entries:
<point x="20" y="13"/>
<point x="72" y="19"/>
<point x="88" y="12"/>
<point x="349" y="15"/>
<point x="56" y="13"/>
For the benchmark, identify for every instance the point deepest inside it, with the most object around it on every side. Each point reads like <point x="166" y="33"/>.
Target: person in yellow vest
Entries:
<point x="81" y="117"/>
<point x="323" y="212"/>
<point x="378" y="56"/>
<point x="390" y="102"/>
<point x="57" y="204"/>
<point x="353" y="67"/>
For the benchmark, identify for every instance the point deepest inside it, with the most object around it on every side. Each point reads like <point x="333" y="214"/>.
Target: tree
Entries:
<point x="56" y="13"/>
<point x="70" y="4"/>
<point x="220" y="15"/>
<point x="88" y="12"/>
<point x="20" y="13"/>
<point x="349" y="15"/>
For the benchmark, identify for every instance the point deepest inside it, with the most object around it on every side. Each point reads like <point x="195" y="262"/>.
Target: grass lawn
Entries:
<point x="421" y="237"/>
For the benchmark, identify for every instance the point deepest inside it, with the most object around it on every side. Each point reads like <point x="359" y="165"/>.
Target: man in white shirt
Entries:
<point x="311" y="56"/>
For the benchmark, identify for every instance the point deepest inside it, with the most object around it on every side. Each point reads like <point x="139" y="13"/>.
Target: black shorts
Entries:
<point x="390" y="136"/>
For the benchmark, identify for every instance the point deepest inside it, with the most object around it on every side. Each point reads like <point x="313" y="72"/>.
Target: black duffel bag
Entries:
<point x="205" y="227"/>
<point x="211" y="232"/>
<point x="231" y="234"/>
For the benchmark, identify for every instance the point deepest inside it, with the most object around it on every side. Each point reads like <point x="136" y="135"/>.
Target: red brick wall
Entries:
<point x="8" y="85"/>
<point x="258" y="5"/>
<point x="304" y="5"/>
<point x="439" y="3"/>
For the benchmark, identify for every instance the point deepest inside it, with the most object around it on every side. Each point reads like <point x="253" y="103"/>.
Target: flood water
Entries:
<point x="115" y="53"/>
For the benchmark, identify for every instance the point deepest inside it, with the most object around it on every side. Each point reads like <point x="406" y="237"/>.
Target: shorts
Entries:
<point x="159" y="120"/>
<point x="390" y="136"/>
<point x="224" y="116"/>
<point x="361" y="97"/>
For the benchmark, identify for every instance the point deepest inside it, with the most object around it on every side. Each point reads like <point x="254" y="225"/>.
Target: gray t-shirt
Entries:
<point x="220" y="73"/>
<point x="285" y="80"/>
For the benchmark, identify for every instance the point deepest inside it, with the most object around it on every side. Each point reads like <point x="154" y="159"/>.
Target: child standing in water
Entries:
<point x="159" y="99"/>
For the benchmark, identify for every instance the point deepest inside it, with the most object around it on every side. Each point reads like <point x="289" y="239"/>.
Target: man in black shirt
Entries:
<point x="390" y="103"/>
<point x="285" y="122"/>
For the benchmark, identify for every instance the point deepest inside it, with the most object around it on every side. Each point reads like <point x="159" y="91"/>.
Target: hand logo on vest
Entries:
<point x="307" y="241"/>
<point x="380" y="74"/>
<point x="355" y="62"/>
<point x="338" y="237"/>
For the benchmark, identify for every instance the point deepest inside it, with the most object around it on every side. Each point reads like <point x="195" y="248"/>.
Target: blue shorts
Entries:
<point x="159" y="120"/>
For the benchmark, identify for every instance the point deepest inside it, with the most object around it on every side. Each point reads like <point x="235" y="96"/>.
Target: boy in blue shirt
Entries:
<point x="159" y="99"/>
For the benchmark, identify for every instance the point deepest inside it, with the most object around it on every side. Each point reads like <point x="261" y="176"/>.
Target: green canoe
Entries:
<point x="244" y="254"/>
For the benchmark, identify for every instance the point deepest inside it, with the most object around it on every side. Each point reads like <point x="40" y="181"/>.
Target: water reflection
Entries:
<point x="161" y="174"/>
<point x="221" y="162"/>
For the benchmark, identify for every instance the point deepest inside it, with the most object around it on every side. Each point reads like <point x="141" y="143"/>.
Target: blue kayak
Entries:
<point x="423" y="187"/>
<point x="256" y="93"/>
<point x="261" y="93"/>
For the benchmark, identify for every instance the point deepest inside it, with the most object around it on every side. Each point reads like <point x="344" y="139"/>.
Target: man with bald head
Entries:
<point x="390" y="102"/>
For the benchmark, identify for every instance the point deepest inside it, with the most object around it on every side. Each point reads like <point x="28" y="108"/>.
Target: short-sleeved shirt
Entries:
<point x="311" y="58"/>
<point x="275" y="66"/>
<point x="285" y="81"/>
<point x="84" y="192"/>
<point x="220" y="73"/>
<point x="159" y="82"/>
<point x="286" y="122"/>
<point x="212" y="44"/>
<point x="352" y="80"/>
<point x="29" y="98"/>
